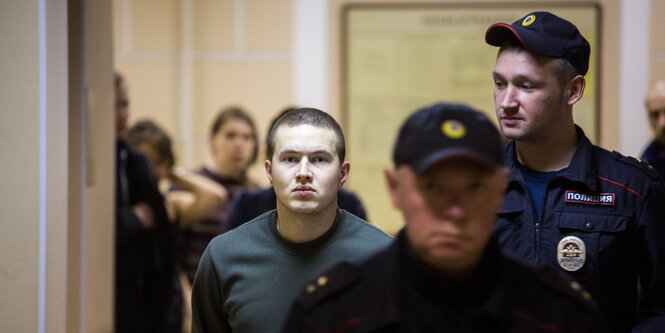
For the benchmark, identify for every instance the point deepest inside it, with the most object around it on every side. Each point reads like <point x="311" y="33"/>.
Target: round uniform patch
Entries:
<point x="571" y="253"/>
<point x="528" y="20"/>
<point x="453" y="129"/>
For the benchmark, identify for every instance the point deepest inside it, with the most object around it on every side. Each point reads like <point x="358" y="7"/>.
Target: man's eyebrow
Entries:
<point x="300" y="152"/>
<point x="519" y="77"/>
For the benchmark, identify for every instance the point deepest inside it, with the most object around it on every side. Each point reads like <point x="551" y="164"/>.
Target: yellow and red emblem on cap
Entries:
<point x="453" y="129"/>
<point x="528" y="20"/>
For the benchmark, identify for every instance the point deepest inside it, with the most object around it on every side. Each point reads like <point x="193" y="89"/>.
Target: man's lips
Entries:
<point x="510" y="120"/>
<point x="303" y="190"/>
<point x="448" y="237"/>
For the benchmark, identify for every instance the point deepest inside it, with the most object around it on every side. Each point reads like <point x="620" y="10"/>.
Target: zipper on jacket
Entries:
<point x="536" y="219"/>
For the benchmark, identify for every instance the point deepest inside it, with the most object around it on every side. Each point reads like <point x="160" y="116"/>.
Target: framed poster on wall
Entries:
<point x="397" y="58"/>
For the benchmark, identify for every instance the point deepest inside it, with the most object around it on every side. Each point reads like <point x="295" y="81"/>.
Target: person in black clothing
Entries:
<point x="147" y="291"/>
<point x="250" y="204"/>
<point x="443" y="272"/>
<point x="654" y="154"/>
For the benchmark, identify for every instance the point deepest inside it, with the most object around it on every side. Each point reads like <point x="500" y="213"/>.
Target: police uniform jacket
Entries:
<point x="391" y="292"/>
<point x="603" y="223"/>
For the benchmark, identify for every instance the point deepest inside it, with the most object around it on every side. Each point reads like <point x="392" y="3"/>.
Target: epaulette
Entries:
<point x="570" y="288"/>
<point x="330" y="283"/>
<point x="638" y="163"/>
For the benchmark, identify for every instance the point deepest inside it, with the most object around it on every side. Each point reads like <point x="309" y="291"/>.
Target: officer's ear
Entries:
<point x="575" y="89"/>
<point x="393" y="187"/>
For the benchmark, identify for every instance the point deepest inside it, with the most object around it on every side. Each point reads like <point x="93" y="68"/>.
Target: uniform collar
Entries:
<point x="582" y="167"/>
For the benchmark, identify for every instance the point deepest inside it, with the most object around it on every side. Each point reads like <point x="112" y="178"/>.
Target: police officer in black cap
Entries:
<point x="443" y="273"/>
<point x="593" y="214"/>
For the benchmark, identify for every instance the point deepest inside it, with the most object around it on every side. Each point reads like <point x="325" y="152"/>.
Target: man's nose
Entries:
<point x="304" y="173"/>
<point x="448" y="205"/>
<point x="508" y="98"/>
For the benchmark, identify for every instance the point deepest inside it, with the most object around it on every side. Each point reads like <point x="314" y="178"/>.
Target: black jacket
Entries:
<point x="390" y="292"/>
<point x="614" y="205"/>
<point x="148" y="297"/>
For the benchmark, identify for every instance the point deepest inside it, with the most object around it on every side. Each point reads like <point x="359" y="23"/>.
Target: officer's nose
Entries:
<point x="508" y="98"/>
<point x="454" y="209"/>
<point x="304" y="173"/>
<point x="448" y="205"/>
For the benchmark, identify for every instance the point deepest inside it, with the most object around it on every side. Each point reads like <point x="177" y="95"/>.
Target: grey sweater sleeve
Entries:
<point x="207" y="303"/>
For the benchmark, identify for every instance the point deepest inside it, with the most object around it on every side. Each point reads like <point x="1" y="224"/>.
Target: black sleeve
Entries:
<point x="651" y="259"/>
<point x="246" y="206"/>
<point x="238" y="212"/>
<point x="350" y="202"/>
<point x="296" y="321"/>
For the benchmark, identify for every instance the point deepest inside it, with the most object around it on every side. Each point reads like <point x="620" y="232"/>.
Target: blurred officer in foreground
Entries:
<point x="596" y="215"/>
<point x="443" y="273"/>
<point x="654" y="154"/>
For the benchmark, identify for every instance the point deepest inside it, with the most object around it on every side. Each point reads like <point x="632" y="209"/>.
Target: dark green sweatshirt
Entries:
<point x="248" y="277"/>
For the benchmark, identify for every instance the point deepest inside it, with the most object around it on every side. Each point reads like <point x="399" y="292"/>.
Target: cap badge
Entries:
<point x="453" y="129"/>
<point x="528" y="20"/>
<point x="571" y="253"/>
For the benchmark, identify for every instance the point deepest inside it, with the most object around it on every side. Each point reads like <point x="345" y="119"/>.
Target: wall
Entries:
<point x="184" y="60"/>
<point x="33" y="141"/>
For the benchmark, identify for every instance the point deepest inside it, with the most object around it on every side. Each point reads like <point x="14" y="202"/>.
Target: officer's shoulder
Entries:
<point x="635" y="164"/>
<point x="567" y="287"/>
<point x="332" y="282"/>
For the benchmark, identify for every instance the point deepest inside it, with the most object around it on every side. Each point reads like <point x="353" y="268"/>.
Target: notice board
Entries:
<point x="398" y="58"/>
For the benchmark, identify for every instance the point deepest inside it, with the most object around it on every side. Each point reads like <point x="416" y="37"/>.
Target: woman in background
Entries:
<point x="188" y="196"/>
<point x="234" y="147"/>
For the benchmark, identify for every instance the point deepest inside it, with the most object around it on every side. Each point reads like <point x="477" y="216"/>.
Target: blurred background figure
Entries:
<point x="234" y="147"/>
<point x="250" y="204"/>
<point x="654" y="154"/>
<point x="148" y="297"/>
<point x="189" y="197"/>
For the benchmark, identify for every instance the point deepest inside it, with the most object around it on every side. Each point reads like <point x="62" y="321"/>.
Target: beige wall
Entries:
<point x="232" y="52"/>
<point x="56" y="244"/>
<point x="33" y="209"/>
<point x="657" y="54"/>
<point x="19" y="208"/>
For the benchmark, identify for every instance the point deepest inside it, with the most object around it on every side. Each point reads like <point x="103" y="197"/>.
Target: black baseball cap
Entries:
<point x="545" y="34"/>
<point x="446" y="130"/>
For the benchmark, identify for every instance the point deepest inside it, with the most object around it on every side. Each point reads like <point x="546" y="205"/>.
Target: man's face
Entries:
<point x="449" y="210"/>
<point x="233" y="146"/>
<point x="528" y="98"/>
<point x="656" y="112"/>
<point x="305" y="170"/>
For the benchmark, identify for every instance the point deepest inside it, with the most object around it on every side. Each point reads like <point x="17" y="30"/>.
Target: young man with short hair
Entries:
<point x="249" y="276"/>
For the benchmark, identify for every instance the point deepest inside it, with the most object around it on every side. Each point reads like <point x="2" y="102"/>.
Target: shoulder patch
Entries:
<point x="328" y="284"/>
<point x="571" y="288"/>
<point x="638" y="163"/>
